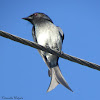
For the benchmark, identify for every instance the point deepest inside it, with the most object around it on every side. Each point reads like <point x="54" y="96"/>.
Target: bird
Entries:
<point x="47" y="34"/>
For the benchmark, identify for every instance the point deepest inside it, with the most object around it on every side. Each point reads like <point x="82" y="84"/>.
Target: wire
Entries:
<point x="57" y="53"/>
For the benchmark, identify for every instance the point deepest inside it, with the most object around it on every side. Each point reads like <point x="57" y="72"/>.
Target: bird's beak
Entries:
<point x="27" y="18"/>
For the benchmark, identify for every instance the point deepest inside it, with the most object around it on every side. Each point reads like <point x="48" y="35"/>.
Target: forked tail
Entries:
<point x="57" y="78"/>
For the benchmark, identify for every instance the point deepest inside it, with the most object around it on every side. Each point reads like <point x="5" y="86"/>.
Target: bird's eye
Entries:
<point x="35" y="14"/>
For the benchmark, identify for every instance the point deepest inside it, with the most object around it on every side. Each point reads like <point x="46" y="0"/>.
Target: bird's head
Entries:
<point x="37" y="17"/>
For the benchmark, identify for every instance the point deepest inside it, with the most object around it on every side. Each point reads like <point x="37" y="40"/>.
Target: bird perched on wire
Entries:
<point x="47" y="34"/>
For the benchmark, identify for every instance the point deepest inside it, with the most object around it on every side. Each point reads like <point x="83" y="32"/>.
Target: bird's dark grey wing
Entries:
<point x="61" y="33"/>
<point x="33" y="34"/>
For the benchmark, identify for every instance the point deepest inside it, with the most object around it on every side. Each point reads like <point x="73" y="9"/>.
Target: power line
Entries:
<point x="57" y="53"/>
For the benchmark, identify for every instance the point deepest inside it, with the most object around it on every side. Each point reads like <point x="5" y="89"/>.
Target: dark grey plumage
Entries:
<point x="47" y="34"/>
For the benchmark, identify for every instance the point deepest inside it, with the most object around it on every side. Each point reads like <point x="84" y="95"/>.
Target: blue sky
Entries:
<point x="22" y="70"/>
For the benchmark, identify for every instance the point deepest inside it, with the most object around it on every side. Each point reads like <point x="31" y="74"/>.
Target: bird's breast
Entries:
<point x="48" y="35"/>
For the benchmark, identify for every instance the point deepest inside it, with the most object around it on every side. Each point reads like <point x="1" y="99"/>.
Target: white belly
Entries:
<point x="49" y="34"/>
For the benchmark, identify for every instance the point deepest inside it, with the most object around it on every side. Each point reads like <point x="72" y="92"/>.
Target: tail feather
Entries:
<point x="56" y="78"/>
<point x="60" y="78"/>
<point x="53" y="82"/>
